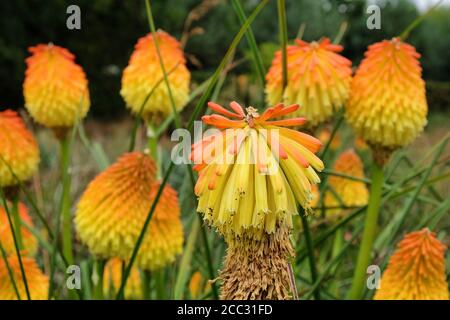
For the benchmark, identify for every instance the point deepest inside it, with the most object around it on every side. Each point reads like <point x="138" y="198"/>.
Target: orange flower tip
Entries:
<point x="222" y="110"/>
<point x="237" y="108"/>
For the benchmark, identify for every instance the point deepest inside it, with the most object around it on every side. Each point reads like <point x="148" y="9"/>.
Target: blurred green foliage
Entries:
<point x="110" y="29"/>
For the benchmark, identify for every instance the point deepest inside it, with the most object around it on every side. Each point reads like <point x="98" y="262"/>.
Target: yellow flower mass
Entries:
<point x="144" y="75"/>
<point x="19" y="151"/>
<point x="55" y="88"/>
<point x="112" y="211"/>
<point x="252" y="175"/>
<point x="36" y="280"/>
<point x="416" y="270"/>
<point x="318" y="79"/>
<point x="387" y="104"/>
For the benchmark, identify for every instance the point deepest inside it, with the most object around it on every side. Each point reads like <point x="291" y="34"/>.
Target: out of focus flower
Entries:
<point x="387" y="105"/>
<point x="416" y="270"/>
<point x="55" y="88"/>
<point x="144" y="74"/>
<point x="252" y="175"/>
<point x="325" y="135"/>
<point x="112" y="278"/>
<point x="349" y="192"/>
<point x="112" y="211"/>
<point x="197" y="285"/>
<point x="318" y="79"/>
<point x="29" y="241"/>
<point x="36" y="280"/>
<point x="19" y="151"/>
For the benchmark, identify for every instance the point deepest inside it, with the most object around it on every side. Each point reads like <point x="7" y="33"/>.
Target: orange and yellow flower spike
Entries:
<point x="143" y="74"/>
<point x="19" y="151"/>
<point x="387" y="105"/>
<point x="318" y="79"/>
<point x="29" y="241"/>
<point x="112" y="211"/>
<point x="37" y="281"/>
<point x="416" y="270"/>
<point x="55" y="88"/>
<point x="350" y="192"/>
<point x="253" y="173"/>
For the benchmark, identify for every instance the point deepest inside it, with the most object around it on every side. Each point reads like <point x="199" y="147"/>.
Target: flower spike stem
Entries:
<point x="17" y="221"/>
<point x="283" y="38"/>
<point x="370" y="224"/>
<point x="65" y="198"/>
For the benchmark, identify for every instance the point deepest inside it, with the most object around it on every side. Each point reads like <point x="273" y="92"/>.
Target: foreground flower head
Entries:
<point x="112" y="211"/>
<point x="55" y="88"/>
<point x="112" y="278"/>
<point x="416" y="270"/>
<point x="36" y="280"/>
<point x="29" y="241"/>
<point x="318" y="79"/>
<point x="144" y="74"/>
<point x="19" y="151"/>
<point x="252" y="175"/>
<point x="387" y="104"/>
<point x="349" y="192"/>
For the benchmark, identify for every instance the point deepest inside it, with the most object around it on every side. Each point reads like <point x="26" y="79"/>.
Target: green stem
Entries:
<point x="312" y="261"/>
<point x="65" y="199"/>
<point x="99" y="270"/>
<point x="17" y="221"/>
<point x="281" y="5"/>
<point x="370" y="225"/>
<point x="146" y="278"/>
<point x="208" y="258"/>
<point x="152" y="144"/>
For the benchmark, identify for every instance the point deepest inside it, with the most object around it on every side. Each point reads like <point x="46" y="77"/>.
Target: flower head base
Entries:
<point x="387" y="104"/>
<point x="252" y="175"/>
<point x="19" y="152"/>
<point x="349" y="192"/>
<point x="112" y="211"/>
<point x="143" y="75"/>
<point x="416" y="271"/>
<point x="55" y="88"/>
<point x="36" y="280"/>
<point x="112" y="278"/>
<point x="29" y="241"/>
<point x="318" y="79"/>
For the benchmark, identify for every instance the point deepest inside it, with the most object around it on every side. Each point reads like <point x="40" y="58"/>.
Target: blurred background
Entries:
<point x="110" y="29"/>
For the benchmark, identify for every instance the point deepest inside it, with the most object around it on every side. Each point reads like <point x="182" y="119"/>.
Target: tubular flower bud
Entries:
<point x="318" y="79"/>
<point x="55" y="88"/>
<point x="387" y="105"/>
<point x="252" y="175"/>
<point x="416" y="270"/>
<point x="144" y="75"/>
